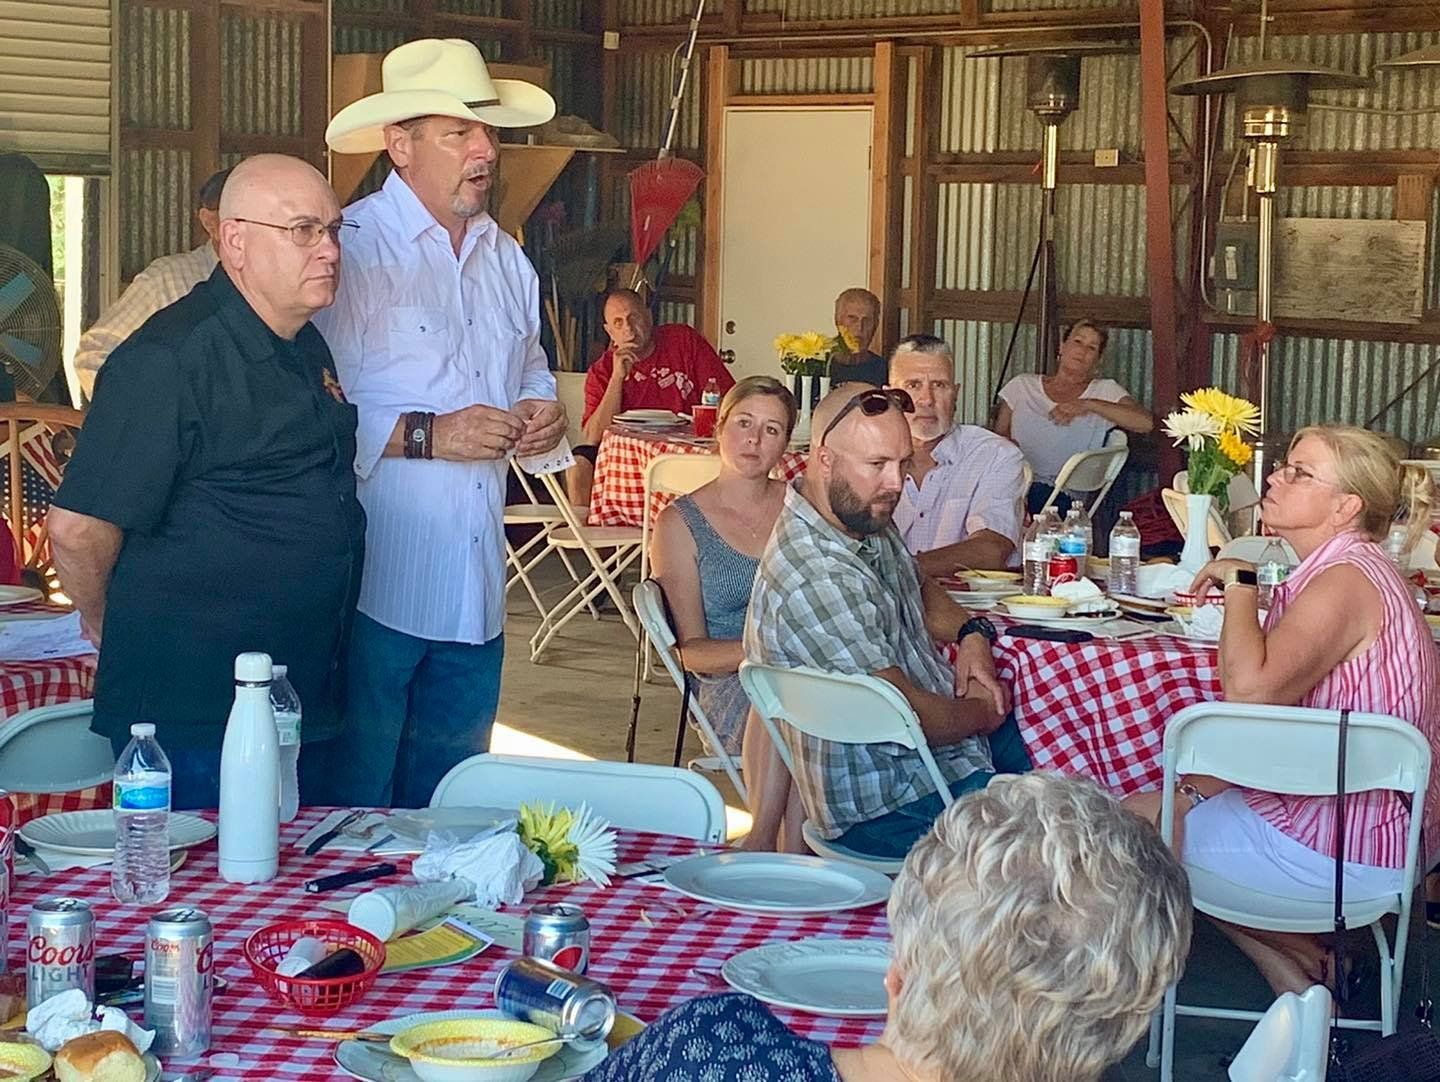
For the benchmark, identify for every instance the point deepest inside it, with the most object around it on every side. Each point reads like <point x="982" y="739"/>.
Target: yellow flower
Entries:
<point x="785" y="344"/>
<point x="1233" y="414"/>
<point x="1236" y="449"/>
<point x="813" y="344"/>
<point x="847" y="337"/>
<point x="545" y="830"/>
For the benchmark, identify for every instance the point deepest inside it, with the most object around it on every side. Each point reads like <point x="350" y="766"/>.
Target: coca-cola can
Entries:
<point x="179" y="981"/>
<point x="558" y="933"/>
<point x="1063" y="567"/>
<point x="8" y="827"/>
<point x="60" y="949"/>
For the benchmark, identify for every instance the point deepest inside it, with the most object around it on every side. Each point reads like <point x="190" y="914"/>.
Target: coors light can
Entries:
<point x="59" y="949"/>
<point x="179" y="981"/>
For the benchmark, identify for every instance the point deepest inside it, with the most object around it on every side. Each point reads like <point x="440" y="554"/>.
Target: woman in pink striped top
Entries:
<point x="1343" y="632"/>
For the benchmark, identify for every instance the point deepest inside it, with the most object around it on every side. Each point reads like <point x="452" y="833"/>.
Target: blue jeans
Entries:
<point x="414" y="708"/>
<point x="892" y="834"/>
<point x="1040" y="492"/>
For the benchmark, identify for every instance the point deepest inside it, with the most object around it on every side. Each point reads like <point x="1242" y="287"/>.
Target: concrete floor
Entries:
<point x="577" y="701"/>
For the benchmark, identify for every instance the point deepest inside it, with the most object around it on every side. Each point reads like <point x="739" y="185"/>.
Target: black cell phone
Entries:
<point x="1050" y="634"/>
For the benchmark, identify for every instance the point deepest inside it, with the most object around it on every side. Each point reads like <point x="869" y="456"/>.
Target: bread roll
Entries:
<point x="106" y="1056"/>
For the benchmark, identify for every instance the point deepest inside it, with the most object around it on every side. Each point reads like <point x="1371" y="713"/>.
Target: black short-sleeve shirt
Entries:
<point x="871" y="368"/>
<point x="226" y="454"/>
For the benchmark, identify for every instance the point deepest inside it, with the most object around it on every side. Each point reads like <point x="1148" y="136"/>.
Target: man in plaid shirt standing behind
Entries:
<point x="837" y="590"/>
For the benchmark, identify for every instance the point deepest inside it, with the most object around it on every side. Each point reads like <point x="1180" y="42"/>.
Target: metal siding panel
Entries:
<point x="558" y="15"/>
<point x="1051" y="5"/>
<point x="854" y="9"/>
<point x="654" y="12"/>
<point x="494" y="9"/>
<point x="808" y="75"/>
<point x="156" y="198"/>
<point x="391" y="7"/>
<point x="365" y="39"/>
<point x="640" y="113"/>
<point x="260" y="62"/>
<point x="154" y="75"/>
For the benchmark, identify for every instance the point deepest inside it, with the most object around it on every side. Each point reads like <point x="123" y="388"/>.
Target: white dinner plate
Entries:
<point x="985" y="595"/>
<point x="1154" y="604"/>
<point x="1079" y="619"/>
<point x="376" y="1063"/>
<point x="649" y="416"/>
<point x="92" y="833"/>
<point x="18" y="595"/>
<point x="778" y="882"/>
<point x="841" y="977"/>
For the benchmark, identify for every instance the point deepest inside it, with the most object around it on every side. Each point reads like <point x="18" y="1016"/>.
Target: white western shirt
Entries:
<point x="414" y="327"/>
<point x="974" y="485"/>
<point x="158" y="286"/>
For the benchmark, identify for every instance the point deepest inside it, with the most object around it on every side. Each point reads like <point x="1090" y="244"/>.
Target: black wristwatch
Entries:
<point x="1244" y="577"/>
<point x="978" y="625"/>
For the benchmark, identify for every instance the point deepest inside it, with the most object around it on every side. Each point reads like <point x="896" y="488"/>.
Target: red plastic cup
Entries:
<point x="704" y="420"/>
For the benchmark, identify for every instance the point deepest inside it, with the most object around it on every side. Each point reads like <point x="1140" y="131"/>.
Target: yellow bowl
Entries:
<point x="1037" y="601"/>
<point x="453" y="1051"/>
<point x="24" y="1061"/>
<point x="993" y="576"/>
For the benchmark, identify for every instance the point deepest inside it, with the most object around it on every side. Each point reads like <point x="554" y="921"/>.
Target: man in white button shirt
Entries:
<point x="436" y="336"/>
<point x="960" y="506"/>
<point x="158" y="286"/>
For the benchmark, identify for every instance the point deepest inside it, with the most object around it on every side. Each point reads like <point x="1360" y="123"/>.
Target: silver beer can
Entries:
<point x="565" y="1003"/>
<point x="179" y="981"/>
<point x="558" y="933"/>
<point x="59" y="949"/>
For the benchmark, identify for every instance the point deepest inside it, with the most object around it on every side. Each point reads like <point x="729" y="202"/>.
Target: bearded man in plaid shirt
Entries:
<point x="837" y="590"/>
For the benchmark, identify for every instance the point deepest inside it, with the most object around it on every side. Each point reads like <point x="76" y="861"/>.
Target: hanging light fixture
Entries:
<point x="1052" y="93"/>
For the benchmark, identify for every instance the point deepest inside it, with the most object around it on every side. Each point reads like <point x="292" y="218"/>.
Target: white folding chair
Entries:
<point x="633" y="796"/>
<point x="845" y="709"/>
<point x="1252" y="547"/>
<point x="51" y="750"/>
<point x="1290" y="1043"/>
<point x="523" y="560"/>
<point x="668" y="475"/>
<point x="1092" y="471"/>
<point x="649" y="602"/>
<point x="609" y="551"/>
<point x="1286" y="749"/>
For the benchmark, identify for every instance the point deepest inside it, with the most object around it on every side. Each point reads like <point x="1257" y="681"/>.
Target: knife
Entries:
<point x="26" y="850"/>
<point x="331" y="834"/>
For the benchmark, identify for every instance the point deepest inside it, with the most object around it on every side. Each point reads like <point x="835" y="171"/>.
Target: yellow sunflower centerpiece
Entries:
<point x="1212" y="426"/>
<point x="809" y="353"/>
<point x="574" y="846"/>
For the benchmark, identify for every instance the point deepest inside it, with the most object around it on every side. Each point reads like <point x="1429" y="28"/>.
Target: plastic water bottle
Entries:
<point x="250" y="778"/>
<point x="1397" y="547"/>
<point x="1041" y="539"/>
<point x="286" y="704"/>
<point x="1078" y="539"/>
<point x="1271" y="570"/>
<point x="710" y="396"/>
<point x="140" y="873"/>
<point x="1125" y="556"/>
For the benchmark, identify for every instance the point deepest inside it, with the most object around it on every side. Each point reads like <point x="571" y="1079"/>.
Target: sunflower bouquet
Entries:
<point x="809" y="354"/>
<point x="574" y="846"/>
<point x="1213" y="425"/>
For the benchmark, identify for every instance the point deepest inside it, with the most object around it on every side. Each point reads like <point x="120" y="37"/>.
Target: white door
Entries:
<point x="795" y="225"/>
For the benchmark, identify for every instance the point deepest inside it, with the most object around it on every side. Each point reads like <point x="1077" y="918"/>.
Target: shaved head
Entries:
<point x="269" y="213"/>
<point x="857" y="470"/>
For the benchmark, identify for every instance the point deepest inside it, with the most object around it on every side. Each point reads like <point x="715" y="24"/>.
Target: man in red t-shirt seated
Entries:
<point x="646" y="367"/>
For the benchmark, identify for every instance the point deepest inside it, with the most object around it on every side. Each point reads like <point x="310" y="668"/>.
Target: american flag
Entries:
<point x="40" y="471"/>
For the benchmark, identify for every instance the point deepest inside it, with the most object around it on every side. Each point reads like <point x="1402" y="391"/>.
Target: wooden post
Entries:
<point x="717" y="94"/>
<point x="1159" y="236"/>
<point x="924" y="192"/>
<point x="887" y="141"/>
<point x="205" y="100"/>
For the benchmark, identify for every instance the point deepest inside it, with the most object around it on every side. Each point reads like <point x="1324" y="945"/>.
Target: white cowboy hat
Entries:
<point x="436" y="77"/>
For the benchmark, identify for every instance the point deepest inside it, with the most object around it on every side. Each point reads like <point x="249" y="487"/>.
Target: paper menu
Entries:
<point x="449" y="942"/>
<point x="554" y="460"/>
<point x="43" y="640"/>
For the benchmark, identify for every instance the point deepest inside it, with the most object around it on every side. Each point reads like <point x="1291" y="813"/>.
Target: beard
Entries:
<point x="855" y="514"/>
<point x="467" y="203"/>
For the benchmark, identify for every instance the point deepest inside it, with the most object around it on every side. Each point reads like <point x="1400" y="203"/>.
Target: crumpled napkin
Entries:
<point x="69" y="1015"/>
<point x="1161" y="580"/>
<point x="495" y="862"/>
<point x="1083" y="595"/>
<point x="1206" y="621"/>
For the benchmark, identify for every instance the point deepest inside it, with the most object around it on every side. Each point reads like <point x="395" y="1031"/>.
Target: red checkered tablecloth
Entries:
<point x="652" y="967"/>
<point x="618" y="496"/>
<point x="1099" y="708"/>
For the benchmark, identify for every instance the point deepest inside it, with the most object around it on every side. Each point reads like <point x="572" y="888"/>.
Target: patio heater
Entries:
<point x="1052" y="93"/>
<point x="1271" y="102"/>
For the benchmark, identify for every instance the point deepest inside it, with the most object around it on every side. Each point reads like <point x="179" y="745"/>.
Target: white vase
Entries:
<point x="1196" y="553"/>
<point x="807" y="389"/>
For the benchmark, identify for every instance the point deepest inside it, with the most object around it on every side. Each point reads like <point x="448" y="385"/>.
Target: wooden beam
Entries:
<point x="1085" y="172"/>
<point x="925" y="193"/>
<point x="1000" y="305"/>
<point x="717" y="92"/>
<point x="204" y="99"/>
<point x="1426" y="332"/>
<point x="1159" y="236"/>
<point x="887" y="143"/>
<point x="805" y="100"/>
<point x="1414" y="197"/>
<point x="314" y="88"/>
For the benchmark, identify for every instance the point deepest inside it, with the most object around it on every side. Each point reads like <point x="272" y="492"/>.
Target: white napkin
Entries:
<point x="69" y="1015"/>
<point x="496" y="864"/>
<point x="1206" y="621"/>
<point x="1082" y="594"/>
<point x="1161" y="580"/>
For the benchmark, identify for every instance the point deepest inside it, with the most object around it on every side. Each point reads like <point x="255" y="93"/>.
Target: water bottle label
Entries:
<point x="1072" y="546"/>
<point x="1037" y="551"/>
<point x="1271" y="574"/>
<point x="138" y="797"/>
<point x="1124" y="546"/>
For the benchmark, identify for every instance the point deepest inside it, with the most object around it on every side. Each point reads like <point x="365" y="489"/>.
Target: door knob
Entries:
<point x="727" y="356"/>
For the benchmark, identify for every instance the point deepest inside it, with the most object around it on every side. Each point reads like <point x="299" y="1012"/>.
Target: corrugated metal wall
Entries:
<point x="156" y="197"/>
<point x="654" y="12"/>
<point x="260" y="62"/>
<point x="856" y="9"/>
<point x="640" y="111"/>
<point x="808" y="75"/>
<point x="154" y="68"/>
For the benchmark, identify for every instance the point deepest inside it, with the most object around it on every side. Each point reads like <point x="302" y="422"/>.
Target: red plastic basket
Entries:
<point x="265" y="949"/>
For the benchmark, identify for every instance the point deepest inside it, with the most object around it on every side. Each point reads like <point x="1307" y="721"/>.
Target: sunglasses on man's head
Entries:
<point x="871" y="403"/>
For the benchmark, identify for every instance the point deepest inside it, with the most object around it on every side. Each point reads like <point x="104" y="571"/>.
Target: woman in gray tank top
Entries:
<point x="704" y="553"/>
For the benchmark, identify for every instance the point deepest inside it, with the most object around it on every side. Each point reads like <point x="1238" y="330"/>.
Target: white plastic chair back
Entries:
<point x="672" y="475"/>
<point x="51" y="750"/>
<point x="1291" y="1043"/>
<point x="1252" y="547"/>
<point x="634" y="796"/>
<point x="1093" y="471"/>
<point x="649" y="603"/>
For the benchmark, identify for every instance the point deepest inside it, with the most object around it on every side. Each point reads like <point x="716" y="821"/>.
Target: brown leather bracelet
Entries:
<point x="427" y="421"/>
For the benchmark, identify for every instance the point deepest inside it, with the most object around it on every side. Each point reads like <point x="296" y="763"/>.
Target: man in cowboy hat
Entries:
<point x="436" y="336"/>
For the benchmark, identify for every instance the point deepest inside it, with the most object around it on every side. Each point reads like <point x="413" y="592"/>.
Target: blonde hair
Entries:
<point x="1389" y="490"/>
<point x="1036" y="927"/>
<point x="751" y="386"/>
